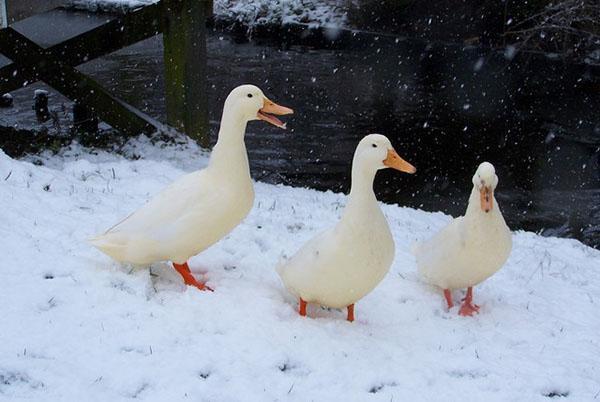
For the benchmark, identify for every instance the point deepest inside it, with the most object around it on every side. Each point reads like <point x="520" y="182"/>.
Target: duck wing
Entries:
<point x="190" y="191"/>
<point x="434" y="256"/>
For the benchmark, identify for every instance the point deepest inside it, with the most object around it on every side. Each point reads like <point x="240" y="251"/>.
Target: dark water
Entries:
<point x="445" y="109"/>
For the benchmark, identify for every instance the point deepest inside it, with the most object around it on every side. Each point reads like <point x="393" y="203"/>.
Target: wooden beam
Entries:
<point x="34" y="60"/>
<point x="118" y="33"/>
<point x="184" y="39"/>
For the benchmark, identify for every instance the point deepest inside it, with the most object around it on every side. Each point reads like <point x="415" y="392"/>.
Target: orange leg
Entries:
<point x="188" y="278"/>
<point x="351" y="312"/>
<point x="448" y="297"/>
<point x="468" y="308"/>
<point x="302" y="310"/>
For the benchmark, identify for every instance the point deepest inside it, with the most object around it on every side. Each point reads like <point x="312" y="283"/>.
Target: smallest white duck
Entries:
<point x="343" y="264"/>
<point x="471" y="248"/>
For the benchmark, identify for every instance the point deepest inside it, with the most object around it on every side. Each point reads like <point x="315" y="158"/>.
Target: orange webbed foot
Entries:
<point x="201" y="286"/>
<point x="468" y="308"/>
<point x="188" y="278"/>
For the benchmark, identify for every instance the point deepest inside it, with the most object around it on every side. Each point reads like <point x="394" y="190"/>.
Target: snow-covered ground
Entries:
<point x="252" y="12"/>
<point x="76" y="326"/>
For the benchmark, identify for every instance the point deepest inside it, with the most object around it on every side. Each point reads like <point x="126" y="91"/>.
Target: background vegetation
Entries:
<point x="568" y="28"/>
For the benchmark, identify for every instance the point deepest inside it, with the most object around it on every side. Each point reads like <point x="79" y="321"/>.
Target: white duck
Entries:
<point x="471" y="248"/>
<point x="200" y="208"/>
<point x="343" y="264"/>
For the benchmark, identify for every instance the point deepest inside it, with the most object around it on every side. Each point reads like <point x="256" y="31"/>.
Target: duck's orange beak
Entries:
<point x="394" y="161"/>
<point x="273" y="108"/>
<point x="486" y="196"/>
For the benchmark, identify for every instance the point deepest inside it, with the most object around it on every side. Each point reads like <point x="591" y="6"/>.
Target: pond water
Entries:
<point x="445" y="108"/>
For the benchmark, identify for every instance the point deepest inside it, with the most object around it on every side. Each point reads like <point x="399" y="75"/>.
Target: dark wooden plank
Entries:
<point x="3" y="14"/>
<point x="34" y="60"/>
<point x="59" y="24"/>
<point x="117" y="33"/>
<point x="184" y="39"/>
<point x="21" y="9"/>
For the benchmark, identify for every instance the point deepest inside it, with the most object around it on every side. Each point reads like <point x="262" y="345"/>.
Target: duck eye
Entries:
<point x="249" y="95"/>
<point x="374" y="145"/>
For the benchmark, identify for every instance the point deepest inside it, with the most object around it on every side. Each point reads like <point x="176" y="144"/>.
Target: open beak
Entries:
<point x="269" y="108"/>
<point x="394" y="161"/>
<point x="486" y="195"/>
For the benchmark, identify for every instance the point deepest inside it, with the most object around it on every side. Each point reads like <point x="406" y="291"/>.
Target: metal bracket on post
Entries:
<point x="3" y="14"/>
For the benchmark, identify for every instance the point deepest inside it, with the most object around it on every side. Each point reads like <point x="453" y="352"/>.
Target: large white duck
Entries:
<point x="200" y="208"/>
<point x="472" y="247"/>
<point x="343" y="264"/>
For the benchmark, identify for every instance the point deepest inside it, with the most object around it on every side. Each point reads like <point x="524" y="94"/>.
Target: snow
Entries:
<point x="251" y="12"/>
<point x="319" y="12"/>
<point x="40" y="92"/>
<point x="94" y="5"/>
<point x="77" y="326"/>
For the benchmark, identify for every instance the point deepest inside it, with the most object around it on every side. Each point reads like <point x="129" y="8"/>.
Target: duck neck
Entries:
<point x="474" y="211"/>
<point x="361" y="191"/>
<point x="229" y="153"/>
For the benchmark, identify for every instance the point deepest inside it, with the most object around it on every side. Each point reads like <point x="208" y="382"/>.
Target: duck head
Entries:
<point x="485" y="181"/>
<point x="248" y="102"/>
<point x="376" y="151"/>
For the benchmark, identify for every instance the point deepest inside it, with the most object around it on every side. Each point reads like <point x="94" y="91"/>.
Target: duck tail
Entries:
<point x="96" y="241"/>
<point x="103" y="243"/>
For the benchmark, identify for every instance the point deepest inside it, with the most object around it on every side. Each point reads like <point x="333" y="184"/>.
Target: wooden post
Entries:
<point x="184" y="39"/>
<point x="210" y="8"/>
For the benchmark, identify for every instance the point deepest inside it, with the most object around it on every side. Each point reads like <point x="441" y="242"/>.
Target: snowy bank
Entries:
<point x="249" y="12"/>
<point x="267" y="12"/>
<point x="102" y="5"/>
<point x="77" y="326"/>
